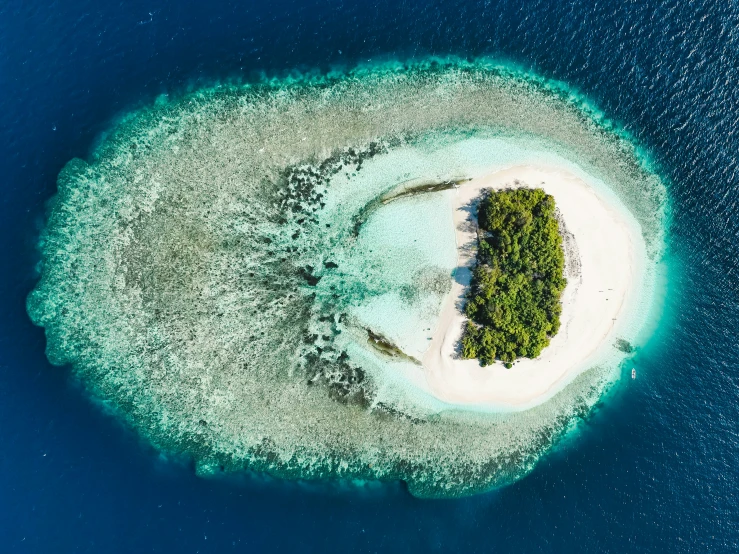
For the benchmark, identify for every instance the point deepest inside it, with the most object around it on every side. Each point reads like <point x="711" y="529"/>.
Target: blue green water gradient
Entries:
<point x="650" y="469"/>
<point x="213" y="274"/>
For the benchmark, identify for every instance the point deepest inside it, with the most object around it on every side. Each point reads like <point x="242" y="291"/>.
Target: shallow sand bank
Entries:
<point x="601" y="268"/>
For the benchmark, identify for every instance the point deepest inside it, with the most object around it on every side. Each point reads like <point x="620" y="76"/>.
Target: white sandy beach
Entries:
<point x="596" y="293"/>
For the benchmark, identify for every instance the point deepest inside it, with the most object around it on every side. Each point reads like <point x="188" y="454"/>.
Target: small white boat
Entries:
<point x="633" y="373"/>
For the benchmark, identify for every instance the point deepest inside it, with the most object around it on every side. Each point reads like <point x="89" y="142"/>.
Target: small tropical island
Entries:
<point x="545" y="269"/>
<point x="513" y="305"/>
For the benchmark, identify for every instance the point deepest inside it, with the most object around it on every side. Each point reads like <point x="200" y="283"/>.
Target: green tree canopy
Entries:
<point x="513" y="305"/>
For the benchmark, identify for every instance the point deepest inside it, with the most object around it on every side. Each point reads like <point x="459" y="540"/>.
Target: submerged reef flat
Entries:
<point x="251" y="274"/>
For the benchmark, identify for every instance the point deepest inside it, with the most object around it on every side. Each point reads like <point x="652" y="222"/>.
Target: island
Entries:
<point x="601" y="264"/>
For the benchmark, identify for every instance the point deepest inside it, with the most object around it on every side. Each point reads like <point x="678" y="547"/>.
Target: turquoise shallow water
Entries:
<point x="650" y="469"/>
<point x="219" y="272"/>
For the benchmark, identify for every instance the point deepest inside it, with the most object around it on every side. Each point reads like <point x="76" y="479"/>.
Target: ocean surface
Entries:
<point x="654" y="468"/>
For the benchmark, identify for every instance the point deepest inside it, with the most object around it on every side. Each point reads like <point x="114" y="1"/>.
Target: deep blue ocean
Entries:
<point x="654" y="469"/>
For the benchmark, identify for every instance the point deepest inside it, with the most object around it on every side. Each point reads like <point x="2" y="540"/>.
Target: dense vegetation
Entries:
<point x="513" y="305"/>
